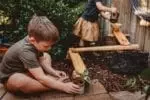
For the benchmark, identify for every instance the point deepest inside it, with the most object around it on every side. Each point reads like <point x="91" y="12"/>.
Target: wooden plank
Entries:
<point x="121" y="38"/>
<point x="56" y="95"/>
<point x="106" y="48"/>
<point x="141" y="36"/>
<point x="58" y="98"/>
<point x="119" y="35"/>
<point x="126" y="95"/>
<point x="147" y="40"/>
<point x="10" y="96"/>
<point x="37" y="97"/>
<point x="2" y="91"/>
<point x="77" y="62"/>
<point x="93" y="97"/>
<point x="127" y="14"/>
<point x="95" y="88"/>
<point x="63" y="98"/>
<point x="133" y="28"/>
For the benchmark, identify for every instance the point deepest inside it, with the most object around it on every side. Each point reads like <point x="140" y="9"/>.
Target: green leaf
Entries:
<point x="146" y="74"/>
<point x="86" y="76"/>
<point x="131" y="82"/>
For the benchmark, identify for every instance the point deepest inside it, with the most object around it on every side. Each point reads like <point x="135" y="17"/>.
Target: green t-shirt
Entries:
<point x="19" y="57"/>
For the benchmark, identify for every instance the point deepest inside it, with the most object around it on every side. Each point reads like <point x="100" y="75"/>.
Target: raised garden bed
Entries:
<point x="117" y="71"/>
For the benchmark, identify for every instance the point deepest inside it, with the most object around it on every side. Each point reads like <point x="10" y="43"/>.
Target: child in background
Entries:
<point x="87" y="26"/>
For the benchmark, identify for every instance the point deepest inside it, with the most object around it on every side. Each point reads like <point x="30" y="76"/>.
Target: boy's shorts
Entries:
<point x="86" y="30"/>
<point x="4" y="82"/>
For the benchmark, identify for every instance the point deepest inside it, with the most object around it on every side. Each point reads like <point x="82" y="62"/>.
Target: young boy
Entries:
<point x="87" y="26"/>
<point x="25" y="64"/>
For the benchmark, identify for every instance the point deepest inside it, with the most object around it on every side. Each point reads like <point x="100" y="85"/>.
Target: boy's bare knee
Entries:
<point x="16" y="81"/>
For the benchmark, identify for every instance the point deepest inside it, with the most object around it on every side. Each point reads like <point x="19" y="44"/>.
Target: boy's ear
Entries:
<point x="32" y="39"/>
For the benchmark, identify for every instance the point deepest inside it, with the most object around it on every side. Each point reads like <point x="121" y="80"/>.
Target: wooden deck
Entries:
<point x="96" y="91"/>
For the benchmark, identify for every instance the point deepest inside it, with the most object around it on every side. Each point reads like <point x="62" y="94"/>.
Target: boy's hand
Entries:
<point x="64" y="79"/>
<point x="114" y="10"/>
<point x="71" y="88"/>
<point x="60" y="74"/>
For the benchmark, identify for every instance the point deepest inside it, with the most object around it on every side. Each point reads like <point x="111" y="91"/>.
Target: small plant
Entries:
<point x="86" y="77"/>
<point x="131" y="82"/>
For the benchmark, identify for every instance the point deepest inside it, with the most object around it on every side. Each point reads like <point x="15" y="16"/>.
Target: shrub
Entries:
<point x="63" y="13"/>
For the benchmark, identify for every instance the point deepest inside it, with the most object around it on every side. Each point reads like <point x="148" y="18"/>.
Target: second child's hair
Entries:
<point x="42" y="29"/>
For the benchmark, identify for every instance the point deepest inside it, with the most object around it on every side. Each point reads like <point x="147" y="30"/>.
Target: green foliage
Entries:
<point x="63" y="13"/>
<point x="146" y="74"/>
<point x="147" y="89"/>
<point x="58" y="52"/>
<point x="131" y="82"/>
<point x="85" y="76"/>
<point x="138" y="83"/>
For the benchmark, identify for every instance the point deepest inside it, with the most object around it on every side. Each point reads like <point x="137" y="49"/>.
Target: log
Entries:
<point x="119" y="35"/>
<point x="77" y="62"/>
<point x="106" y="48"/>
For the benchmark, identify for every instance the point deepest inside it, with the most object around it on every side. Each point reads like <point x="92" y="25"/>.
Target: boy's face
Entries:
<point x="43" y="45"/>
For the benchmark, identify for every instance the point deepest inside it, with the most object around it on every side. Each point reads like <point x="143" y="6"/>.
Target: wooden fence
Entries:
<point x="130" y="25"/>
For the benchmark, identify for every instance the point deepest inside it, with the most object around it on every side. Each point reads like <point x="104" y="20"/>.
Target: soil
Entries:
<point x="102" y="66"/>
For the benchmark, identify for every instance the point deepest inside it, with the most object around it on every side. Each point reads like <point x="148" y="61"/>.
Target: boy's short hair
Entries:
<point x="42" y="29"/>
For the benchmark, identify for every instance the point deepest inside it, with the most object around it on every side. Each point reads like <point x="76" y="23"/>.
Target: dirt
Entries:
<point x="100" y="66"/>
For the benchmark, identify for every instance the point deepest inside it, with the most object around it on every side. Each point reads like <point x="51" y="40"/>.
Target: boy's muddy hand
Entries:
<point x="71" y="88"/>
<point x="60" y="74"/>
<point x="64" y="79"/>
